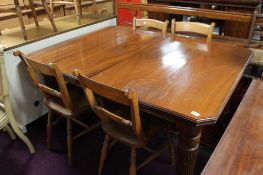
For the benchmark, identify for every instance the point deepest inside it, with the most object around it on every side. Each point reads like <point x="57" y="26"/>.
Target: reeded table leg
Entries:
<point x="187" y="148"/>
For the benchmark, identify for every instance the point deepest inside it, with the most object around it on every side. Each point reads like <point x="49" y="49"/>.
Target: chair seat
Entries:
<point x="77" y="96"/>
<point x="150" y="125"/>
<point x="3" y="118"/>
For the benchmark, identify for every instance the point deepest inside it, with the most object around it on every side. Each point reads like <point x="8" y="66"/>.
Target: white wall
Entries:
<point x="22" y="91"/>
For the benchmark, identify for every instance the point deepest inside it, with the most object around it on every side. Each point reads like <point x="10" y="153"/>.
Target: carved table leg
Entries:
<point x="187" y="148"/>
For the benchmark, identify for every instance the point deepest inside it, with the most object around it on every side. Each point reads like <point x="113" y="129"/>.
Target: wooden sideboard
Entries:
<point x="228" y="28"/>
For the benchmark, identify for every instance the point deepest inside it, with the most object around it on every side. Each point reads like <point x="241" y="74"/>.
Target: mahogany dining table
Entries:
<point x="185" y="81"/>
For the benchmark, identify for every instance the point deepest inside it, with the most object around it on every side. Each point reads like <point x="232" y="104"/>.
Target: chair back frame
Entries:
<point x="3" y="79"/>
<point x="151" y="23"/>
<point x="50" y="69"/>
<point x="194" y="27"/>
<point x="5" y="104"/>
<point x="127" y="98"/>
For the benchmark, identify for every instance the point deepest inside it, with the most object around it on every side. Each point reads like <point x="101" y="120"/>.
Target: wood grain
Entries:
<point x="185" y="77"/>
<point x="240" y="149"/>
<point x="98" y="50"/>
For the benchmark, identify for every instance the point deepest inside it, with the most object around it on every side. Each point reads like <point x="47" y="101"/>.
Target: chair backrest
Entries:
<point x="151" y="23"/>
<point x="52" y="70"/>
<point x="193" y="27"/>
<point x="127" y="98"/>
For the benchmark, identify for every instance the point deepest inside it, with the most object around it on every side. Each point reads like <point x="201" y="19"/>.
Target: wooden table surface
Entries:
<point x="96" y="51"/>
<point x="186" y="77"/>
<point x="188" y="81"/>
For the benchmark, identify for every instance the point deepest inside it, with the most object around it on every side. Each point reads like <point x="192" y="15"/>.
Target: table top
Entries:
<point x="187" y="78"/>
<point x="97" y="50"/>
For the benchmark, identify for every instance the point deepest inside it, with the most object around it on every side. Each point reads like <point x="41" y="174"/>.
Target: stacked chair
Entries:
<point x="18" y="6"/>
<point x="77" y="5"/>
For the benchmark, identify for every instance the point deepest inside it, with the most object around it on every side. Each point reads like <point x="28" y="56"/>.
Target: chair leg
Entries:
<point x="10" y="132"/>
<point x="104" y="152"/>
<point x="51" y="19"/>
<point x="171" y="154"/>
<point x="33" y="11"/>
<point x="80" y="8"/>
<point x="13" y="124"/>
<point x="20" y="17"/>
<point x="133" y="161"/>
<point x="51" y="7"/>
<point x="69" y="140"/>
<point x="77" y="11"/>
<point x="171" y="145"/>
<point x="49" y="129"/>
<point x="94" y="7"/>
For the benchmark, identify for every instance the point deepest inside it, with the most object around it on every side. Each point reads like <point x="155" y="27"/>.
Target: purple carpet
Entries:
<point x="16" y="160"/>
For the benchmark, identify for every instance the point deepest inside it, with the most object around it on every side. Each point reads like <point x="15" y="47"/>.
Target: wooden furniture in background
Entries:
<point x="256" y="33"/>
<point x="211" y="14"/>
<point x="193" y="27"/>
<point x="6" y="114"/>
<point x="153" y="23"/>
<point x="127" y="124"/>
<point x="173" y="80"/>
<point x="67" y="101"/>
<point x="240" y="21"/>
<point x="18" y="9"/>
<point x="228" y="28"/>
<point x="77" y="5"/>
<point x="240" y="149"/>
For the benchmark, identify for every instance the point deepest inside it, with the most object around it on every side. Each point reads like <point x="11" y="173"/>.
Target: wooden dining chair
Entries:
<point x="126" y="124"/>
<point x="77" y="5"/>
<point x="7" y="118"/>
<point x="67" y="100"/>
<point x="193" y="27"/>
<point x="153" y="23"/>
<point x="20" y="6"/>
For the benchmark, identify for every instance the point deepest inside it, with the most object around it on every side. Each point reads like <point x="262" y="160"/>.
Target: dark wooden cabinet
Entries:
<point x="227" y="28"/>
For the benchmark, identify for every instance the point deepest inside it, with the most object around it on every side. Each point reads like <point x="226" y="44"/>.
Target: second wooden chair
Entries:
<point x="126" y="124"/>
<point x="67" y="101"/>
<point x="193" y="27"/>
